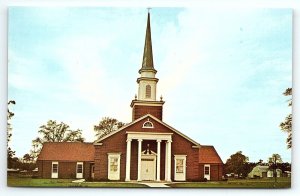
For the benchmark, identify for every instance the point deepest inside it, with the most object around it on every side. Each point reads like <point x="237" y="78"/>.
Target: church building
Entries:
<point x="146" y="149"/>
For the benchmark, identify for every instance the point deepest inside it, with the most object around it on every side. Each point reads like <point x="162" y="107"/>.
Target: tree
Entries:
<point x="27" y="158"/>
<point x="10" y="152"/>
<point x="286" y="125"/>
<point x="54" y="132"/>
<point x="106" y="126"/>
<point x="273" y="161"/>
<point x="238" y="164"/>
<point x="9" y="116"/>
<point x="10" y="158"/>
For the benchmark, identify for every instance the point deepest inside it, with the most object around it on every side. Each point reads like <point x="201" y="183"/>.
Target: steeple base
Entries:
<point x="141" y="108"/>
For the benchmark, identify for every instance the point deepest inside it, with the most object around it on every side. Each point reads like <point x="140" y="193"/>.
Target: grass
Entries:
<point x="238" y="183"/>
<point x="13" y="181"/>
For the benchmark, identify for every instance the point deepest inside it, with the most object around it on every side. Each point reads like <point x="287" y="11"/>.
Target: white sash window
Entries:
<point x="207" y="171"/>
<point x="114" y="166"/>
<point x="79" y="170"/>
<point x="180" y="167"/>
<point x="54" y="173"/>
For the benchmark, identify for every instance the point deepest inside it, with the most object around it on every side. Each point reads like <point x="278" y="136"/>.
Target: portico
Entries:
<point x="144" y="136"/>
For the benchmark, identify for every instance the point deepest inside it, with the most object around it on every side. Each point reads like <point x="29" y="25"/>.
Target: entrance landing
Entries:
<point x="156" y="184"/>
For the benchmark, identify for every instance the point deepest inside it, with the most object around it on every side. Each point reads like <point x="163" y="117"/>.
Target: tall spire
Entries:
<point x="145" y="102"/>
<point x="148" y="55"/>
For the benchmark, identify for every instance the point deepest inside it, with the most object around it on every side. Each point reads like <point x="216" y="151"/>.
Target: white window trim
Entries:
<point x="205" y="175"/>
<point x="79" y="163"/>
<point x="148" y="121"/>
<point x="109" y="175"/>
<point x="180" y="176"/>
<point x="207" y="165"/>
<point x="52" y="174"/>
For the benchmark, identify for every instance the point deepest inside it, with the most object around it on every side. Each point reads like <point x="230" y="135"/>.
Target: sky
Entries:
<point x="222" y="72"/>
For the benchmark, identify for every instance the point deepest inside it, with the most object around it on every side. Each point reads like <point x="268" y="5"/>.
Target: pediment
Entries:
<point x="157" y="126"/>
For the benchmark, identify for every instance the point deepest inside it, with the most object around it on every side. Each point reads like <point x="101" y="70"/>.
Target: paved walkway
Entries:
<point x="156" y="184"/>
<point x="78" y="181"/>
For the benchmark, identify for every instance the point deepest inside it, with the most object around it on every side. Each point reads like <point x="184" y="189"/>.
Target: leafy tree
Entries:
<point x="10" y="152"/>
<point x="286" y="125"/>
<point x="284" y="166"/>
<point x="10" y="158"/>
<point x="27" y="158"/>
<point x="54" y="132"/>
<point x="273" y="161"/>
<point x="9" y="116"/>
<point x="238" y="164"/>
<point x="106" y="126"/>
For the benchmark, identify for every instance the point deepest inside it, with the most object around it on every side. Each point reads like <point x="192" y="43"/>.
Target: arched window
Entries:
<point x="148" y="91"/>
<point x="148" y="124"/>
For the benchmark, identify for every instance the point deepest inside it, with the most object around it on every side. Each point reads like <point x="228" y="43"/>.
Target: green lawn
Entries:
<point x="13" y="181"/>
<point x="238" y="183"/>
<point x="35" y="182"/>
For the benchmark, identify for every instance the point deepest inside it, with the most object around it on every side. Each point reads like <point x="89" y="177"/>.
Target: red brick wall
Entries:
<point x="114" y="144"/>
<point x="117" y="144"/>
<point x="87" y="170"/>
<point x="44" y="169"/>
<point x="181" y="146"/>
<point x="139" y="111"/>
<point x="216" y="171"/>
<point x="65" y="169"/>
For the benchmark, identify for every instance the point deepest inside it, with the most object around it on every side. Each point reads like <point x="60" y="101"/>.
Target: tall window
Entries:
<point x="55" y="168"/>
<point x="148" y="91"/>
<point x="79" y="168"/>
<point x="206" y="170"/>
<point x="179" y="165"/>
<point x="113" y="164"/>
<point x="54" y="173"/>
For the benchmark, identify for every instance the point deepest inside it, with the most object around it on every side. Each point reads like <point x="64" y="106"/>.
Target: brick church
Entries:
<point x="147" y="149"/>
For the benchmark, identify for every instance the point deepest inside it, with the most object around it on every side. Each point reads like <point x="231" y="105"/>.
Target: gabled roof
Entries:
<point x="154" y="118"/>
<point x="67" y="151"/>
<point x="208" y="154"/>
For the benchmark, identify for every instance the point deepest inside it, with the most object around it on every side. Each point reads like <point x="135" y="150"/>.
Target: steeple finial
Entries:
<point x="148" y="55"/>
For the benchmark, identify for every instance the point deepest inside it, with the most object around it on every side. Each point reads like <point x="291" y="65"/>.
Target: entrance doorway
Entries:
<point x="148" y="166"/>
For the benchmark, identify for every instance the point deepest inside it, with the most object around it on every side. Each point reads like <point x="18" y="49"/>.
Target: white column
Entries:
<point x="139" y="158"/>
<point x="169" y="160"/>
<point x="128" y="157"/>
<point x="158" y="161"/>
<point x="166" y="162"/>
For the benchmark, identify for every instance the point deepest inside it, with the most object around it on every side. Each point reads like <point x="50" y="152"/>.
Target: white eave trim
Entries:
<point x="156" y="119"/>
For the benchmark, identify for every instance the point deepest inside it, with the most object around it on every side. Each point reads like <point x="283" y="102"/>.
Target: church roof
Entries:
<point x="148" y="55"/>
<point x="70" y="151"/>
<point x="208" y="154"/>
<point x="154" y="118"/>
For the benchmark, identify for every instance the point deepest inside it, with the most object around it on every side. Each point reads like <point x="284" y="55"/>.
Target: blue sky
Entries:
<point x="222" y="72"/>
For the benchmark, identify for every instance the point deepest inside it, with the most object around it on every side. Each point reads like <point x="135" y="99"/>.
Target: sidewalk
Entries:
<point x="156" y="184"/>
